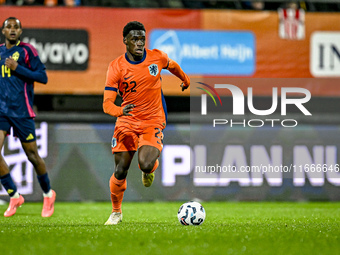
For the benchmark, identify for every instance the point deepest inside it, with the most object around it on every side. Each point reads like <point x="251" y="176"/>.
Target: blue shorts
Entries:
<point x="23" y="128"/>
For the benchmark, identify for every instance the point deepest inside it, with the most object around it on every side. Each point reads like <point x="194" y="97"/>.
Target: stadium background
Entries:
<point x="74" y="135"/>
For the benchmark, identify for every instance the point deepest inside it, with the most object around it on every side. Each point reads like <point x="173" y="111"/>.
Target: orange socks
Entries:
<point x="117" y="188"/>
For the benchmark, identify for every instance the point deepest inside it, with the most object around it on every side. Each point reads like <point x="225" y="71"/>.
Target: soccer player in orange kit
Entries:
<point x="135" y="75"/>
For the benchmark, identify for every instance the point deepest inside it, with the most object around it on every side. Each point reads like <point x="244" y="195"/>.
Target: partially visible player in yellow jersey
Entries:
<point x="142" y="115"/>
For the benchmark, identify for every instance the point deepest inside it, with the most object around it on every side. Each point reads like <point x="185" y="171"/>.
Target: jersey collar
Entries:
<point x="4" y="44"/>
<point x="135" y="62"/>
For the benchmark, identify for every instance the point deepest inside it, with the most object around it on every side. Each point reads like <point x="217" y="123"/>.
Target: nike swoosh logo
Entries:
<point x="127" y="77"/>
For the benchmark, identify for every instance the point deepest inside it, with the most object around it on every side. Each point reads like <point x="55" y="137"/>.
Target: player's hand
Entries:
<point x="11" y="63"/>
<point x="184" y="87"/>
<point x="127" y="109"/>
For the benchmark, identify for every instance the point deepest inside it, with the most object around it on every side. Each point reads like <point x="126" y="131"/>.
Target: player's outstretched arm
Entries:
<point x="175" y="69"/>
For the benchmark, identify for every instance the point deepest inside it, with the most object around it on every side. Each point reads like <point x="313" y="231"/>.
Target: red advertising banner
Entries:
<point x="77" y="44"/>
<point x="277" y="57"/>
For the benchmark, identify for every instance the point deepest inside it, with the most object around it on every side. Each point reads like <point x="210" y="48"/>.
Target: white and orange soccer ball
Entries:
<point x="191" y="213"/>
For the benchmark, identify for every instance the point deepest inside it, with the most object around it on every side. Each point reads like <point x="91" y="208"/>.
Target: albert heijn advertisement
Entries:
<point x="202" y="52"/>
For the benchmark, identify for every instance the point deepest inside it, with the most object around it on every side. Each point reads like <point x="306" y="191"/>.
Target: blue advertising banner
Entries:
<point x="208" y="52"/>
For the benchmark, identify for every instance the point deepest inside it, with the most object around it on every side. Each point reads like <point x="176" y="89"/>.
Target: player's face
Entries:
<point x="12" y="30"/>
<point x="135" y="43"/>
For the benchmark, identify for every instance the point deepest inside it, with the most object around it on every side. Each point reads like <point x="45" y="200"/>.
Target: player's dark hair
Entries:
<point x="3" y="24"/>
<point x="133" y="25"/>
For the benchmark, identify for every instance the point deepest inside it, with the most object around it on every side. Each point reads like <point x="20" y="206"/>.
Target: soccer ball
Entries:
<point x="191" y="213"/>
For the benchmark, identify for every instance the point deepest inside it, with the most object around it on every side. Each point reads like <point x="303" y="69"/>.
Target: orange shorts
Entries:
<point x="129" y="136"/>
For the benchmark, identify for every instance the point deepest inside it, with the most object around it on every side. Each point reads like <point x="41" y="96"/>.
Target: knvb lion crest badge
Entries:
<point x="153" y="69"/>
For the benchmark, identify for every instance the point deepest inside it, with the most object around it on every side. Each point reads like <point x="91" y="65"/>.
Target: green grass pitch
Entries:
<point x="153" y="228"/>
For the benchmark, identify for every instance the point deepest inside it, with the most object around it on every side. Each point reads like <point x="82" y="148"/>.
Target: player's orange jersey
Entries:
<point x="139" y="83"/>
